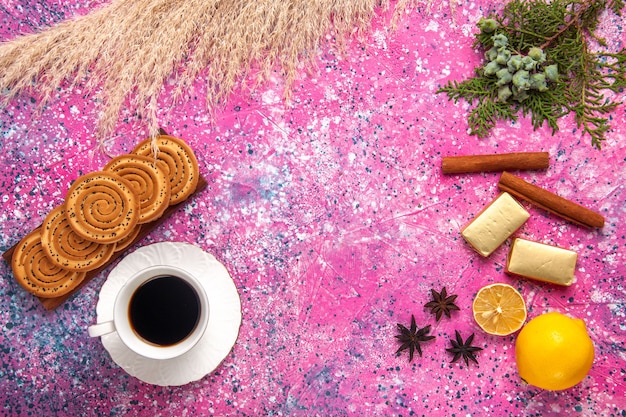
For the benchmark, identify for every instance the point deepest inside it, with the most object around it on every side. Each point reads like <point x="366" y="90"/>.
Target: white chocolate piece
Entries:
<point x="494" y="224"/>
<point x="541" y="262"/>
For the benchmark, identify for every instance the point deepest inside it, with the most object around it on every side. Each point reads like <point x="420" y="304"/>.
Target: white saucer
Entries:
<point x="224" y="319"/>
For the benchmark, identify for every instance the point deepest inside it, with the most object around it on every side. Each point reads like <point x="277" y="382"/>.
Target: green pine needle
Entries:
<point x="564" y="30"/>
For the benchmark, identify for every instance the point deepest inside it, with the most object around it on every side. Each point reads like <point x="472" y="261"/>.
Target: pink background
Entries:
<point x="334" y="219"/>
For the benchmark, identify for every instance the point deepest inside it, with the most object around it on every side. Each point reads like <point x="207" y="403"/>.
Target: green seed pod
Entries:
<point x="515" y="63"/>
<point x="503" y="56"/>
<point x="504" y="93"/>
<point x="538" y="82"/>
<point x="521" y="96"/>
<point x="487" y="25"/>
<point x="551" y="72"/>
<point x="528" y="63"/>
<point x="492" y="54"/>
<point x="491" y="68"/>
<point x="521" y="80"/>
<point x="537" y="54"/>
<point x="504" y="76"/>
<point x="500" y="41"/>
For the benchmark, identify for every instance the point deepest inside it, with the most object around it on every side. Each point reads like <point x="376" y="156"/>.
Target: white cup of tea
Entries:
<point x="161" y="312"/>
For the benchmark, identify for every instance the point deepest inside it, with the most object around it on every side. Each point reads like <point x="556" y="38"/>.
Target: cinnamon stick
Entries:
<point x="495" y="162"/>
<point x="549" y="201"/>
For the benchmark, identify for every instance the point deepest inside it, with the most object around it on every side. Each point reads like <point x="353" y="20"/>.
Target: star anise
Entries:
<point x="442" y="303"/>
<point x="412" y="337"/>
<point x="463" y="350"/>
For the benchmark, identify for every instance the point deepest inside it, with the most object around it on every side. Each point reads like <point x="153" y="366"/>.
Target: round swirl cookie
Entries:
<point x="182" y="165"/>
<point x="102" y="207"/>
<point x="124" y="243"/>
<point x="69" y="250"/>
<point x="149" y="180"/>
<point x="34" y="270"/>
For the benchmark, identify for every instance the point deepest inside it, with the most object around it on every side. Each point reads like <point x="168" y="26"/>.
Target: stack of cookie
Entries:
<point x="102" y="214"/>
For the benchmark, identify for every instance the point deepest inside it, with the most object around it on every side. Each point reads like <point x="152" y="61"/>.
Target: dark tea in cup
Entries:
<point x="160" y="312"/>
<point x="164" y="310"/>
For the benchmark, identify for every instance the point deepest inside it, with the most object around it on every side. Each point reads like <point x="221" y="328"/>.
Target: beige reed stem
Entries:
<point x="128" y="49"/>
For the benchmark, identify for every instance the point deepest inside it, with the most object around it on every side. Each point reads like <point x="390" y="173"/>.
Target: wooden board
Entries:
<point x="52" y="303"/>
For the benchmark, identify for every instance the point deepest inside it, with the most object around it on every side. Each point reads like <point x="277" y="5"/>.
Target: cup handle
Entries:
<point x="101" y="329"/>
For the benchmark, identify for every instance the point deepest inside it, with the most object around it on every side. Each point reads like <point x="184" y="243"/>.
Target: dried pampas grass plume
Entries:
<point x="128" y="49"/>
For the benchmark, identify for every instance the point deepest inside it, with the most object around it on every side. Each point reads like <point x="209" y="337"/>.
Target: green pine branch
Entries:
<point x="588" y="84"/>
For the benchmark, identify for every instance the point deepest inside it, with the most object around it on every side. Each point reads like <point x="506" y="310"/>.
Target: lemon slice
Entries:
<point x="499" y="309"/>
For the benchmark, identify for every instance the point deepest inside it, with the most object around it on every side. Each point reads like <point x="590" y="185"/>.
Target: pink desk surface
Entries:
<point x="335" y="221"/>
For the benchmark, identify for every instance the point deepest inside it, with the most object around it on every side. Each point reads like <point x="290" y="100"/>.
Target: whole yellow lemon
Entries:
<point x="554" y="351"/>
